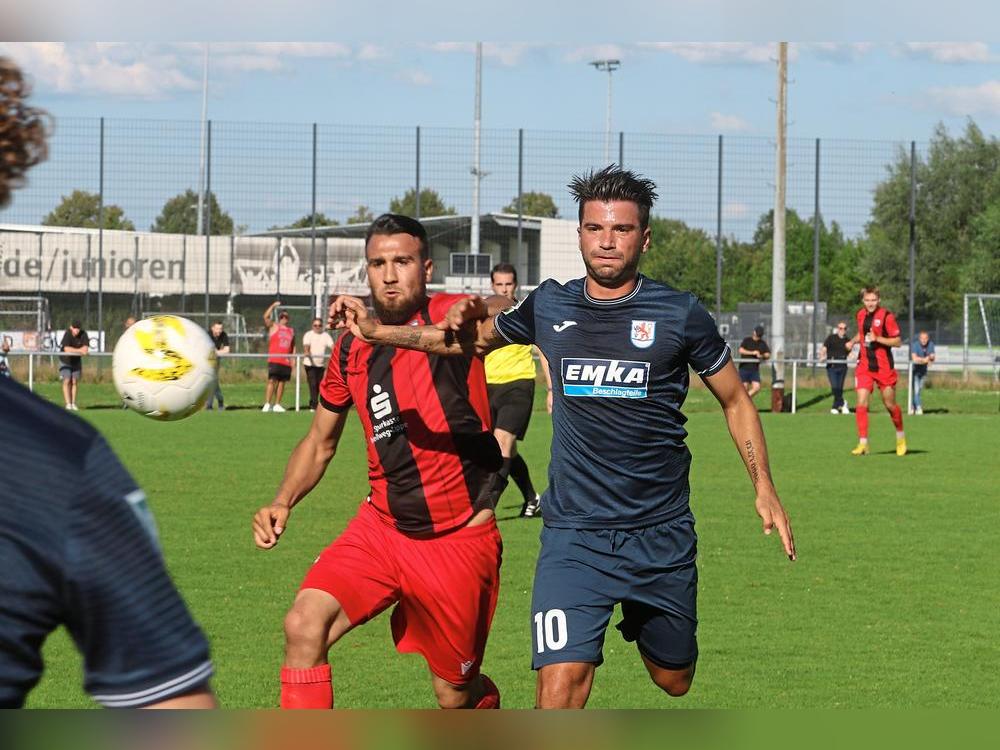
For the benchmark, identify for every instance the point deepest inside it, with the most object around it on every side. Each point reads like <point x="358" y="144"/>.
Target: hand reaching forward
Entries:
<point x="772" y="515"/>
<point x="269" y="523"/>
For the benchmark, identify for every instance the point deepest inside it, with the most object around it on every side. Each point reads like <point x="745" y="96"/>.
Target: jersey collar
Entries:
<point x="616" y="300"/>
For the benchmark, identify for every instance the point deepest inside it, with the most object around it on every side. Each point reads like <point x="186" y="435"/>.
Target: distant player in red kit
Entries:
<point x="877" y="333"/>
<point x="425" y="538"/>
<point x="280" y="343"/>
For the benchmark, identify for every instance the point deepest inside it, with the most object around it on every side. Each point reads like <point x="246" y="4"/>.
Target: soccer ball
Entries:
<point x="165" y="367"/>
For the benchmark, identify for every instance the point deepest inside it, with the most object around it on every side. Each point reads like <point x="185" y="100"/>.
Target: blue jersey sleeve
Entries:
<point x="516" y="325"/>
<point x="707" y="353"/>
<point x="139" y="643"/>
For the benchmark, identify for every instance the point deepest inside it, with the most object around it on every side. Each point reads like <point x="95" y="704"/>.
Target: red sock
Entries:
<point x="897" y="417"/>
<point x="492" y="697"/>
<point x="306" y="688"/>
<point x="861" y="416"/>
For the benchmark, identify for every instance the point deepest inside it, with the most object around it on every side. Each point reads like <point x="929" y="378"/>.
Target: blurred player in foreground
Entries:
<point x="78" y="547"/>
<point x="618" y="526"/>
<point x="425" y="538"/>
<point x="510" y="380"/>
<point x="877" y="333"/>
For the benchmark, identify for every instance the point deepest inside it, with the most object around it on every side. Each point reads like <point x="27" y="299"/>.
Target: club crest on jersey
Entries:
<point x="605" y="378"/>
<point x="643" y="333"/>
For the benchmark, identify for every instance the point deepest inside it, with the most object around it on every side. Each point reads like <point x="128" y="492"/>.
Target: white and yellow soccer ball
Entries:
<point x="165" y="367"/>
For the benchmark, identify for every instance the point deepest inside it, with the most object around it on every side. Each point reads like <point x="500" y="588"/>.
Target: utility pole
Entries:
<point x="477" y="173"/>
<point x="610" y="66"/>
<point x="778" y="261"/>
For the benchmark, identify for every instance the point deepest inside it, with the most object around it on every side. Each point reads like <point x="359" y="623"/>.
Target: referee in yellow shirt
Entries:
<point x="510" y="380"/>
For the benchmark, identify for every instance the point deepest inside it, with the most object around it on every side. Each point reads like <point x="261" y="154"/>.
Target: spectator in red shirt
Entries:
<point x="425" y="538"/>
<point x="281" y="343"/>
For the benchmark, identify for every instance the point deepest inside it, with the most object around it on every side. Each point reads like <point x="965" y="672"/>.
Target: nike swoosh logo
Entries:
<point x="565" y="324"/>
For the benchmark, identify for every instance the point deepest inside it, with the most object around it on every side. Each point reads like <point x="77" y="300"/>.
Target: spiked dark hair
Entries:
<point x="615" y="184"/>
<point x="399" y="224"/>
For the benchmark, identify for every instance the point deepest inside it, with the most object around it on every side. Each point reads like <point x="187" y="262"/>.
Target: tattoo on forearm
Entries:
<point x="752" y="462"/>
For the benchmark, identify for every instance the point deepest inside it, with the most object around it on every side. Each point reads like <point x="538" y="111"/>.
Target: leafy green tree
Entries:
<point x="958" y="190"/>
<point x="682" y="257"/>
<point x="322" y="220"/>
<point x="362" y="215"/>
<point x="534" y="204"/>
<point x="431" y="204"/>
<point x="180" y="215"/>
<point x="82" y="209"/>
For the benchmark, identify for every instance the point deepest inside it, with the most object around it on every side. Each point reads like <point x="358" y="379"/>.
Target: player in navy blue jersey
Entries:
<point x="77" y="545"/>
<point x="618" y="527"/>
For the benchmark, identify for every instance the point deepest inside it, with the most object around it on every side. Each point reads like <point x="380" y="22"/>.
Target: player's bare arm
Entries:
<point x="268" y="320"/>
<point x="746" y="431"/>
<point x="548" y="379"/>
<point x="305" y="468"/>
<point x="467" y="328"/>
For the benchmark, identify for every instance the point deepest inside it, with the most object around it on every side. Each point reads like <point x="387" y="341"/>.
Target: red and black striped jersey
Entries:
<point x="876" y="357"/>
<point x="431" y="452"/>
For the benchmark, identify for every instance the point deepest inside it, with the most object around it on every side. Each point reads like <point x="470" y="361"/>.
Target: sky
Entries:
<point x="868" y="90"/>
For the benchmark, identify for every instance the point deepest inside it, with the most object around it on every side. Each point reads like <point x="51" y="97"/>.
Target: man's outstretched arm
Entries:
<point x="745" y="428"/>
<point x="467" y="329"/>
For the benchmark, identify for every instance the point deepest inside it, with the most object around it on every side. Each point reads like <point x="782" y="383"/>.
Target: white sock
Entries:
<point x="900" y="435"/>
<point x="863" y="441"/>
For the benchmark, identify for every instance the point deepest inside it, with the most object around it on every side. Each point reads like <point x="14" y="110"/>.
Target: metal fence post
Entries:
<point x="621" y="148"/>
<point x="416" y="190"/>
<point x="100" y="238"/>
<point x="718" y="238"/>
<point x="795" y="383"/>
<point x="812" y="332"/>
<point x="208" y="216"/>
<point x="184" y="248"/>
<point x="41" y="264"/>
<point x="520" y="197"/>
<point x="86" y="298"/>
<point x="913" y="243"/>
<point x="312" y="240"/>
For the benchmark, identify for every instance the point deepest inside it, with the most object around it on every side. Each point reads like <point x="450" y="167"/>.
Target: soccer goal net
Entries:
<point x="980" y="331"/>
<point x="26" y="323"/>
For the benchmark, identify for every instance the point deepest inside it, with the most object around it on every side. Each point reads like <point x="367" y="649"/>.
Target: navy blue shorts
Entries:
<point x="750" y="376"/>
<point x="582" y="574"/>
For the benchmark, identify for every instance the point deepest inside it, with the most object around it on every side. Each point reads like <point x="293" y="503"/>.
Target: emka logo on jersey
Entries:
<point x="605" y="378"/>
<point x="643" y="333"/>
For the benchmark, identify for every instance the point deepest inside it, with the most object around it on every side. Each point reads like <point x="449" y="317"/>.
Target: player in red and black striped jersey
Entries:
<point x="877" y="333"/>
<point x="425" y="538"/>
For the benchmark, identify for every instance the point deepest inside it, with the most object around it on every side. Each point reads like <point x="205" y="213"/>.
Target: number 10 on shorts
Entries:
<point x="550" y="630"/>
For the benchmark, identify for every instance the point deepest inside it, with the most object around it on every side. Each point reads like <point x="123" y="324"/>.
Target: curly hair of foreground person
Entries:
<point x="23" y="130"/>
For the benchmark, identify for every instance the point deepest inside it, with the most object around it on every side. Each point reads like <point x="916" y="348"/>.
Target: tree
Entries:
<point x="322" y="220"/>
<point x="362" y="215"/>
<point x="180" y="215"/>
<point x="82" y="209"/>
<point x="534" y="204"/>
<point x="957" y="200"/>
<point x="430" y="204"/>
<point x="682" y="257"/>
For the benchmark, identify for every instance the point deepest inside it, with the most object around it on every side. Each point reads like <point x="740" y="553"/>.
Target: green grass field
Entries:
<point x="894" y="602"/>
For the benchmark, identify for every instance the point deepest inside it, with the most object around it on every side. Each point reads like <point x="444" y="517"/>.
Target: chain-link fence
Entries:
<point x="133" y="191"/>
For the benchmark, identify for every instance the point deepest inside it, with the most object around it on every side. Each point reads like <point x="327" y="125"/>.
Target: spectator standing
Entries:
<point x="753" y="346"/>
<point x="281" y="343"/>
<point x="221" y="340"/>
<point x="75" y="343"/>
<point x="316" y="344"/>
<point x="834" y="351"/>
<point x="921" y="354"/>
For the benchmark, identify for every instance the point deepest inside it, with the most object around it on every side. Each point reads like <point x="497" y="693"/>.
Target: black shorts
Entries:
<point x="282" y="373"/>
<point x="750" y="376"/>
<point x="581" y="574"/>
<point x="510" y="406"/>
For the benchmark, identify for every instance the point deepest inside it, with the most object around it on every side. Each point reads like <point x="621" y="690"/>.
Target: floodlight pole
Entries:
<point x="778" y="260"/>
<point x="477" y="174"/>
<point x="610" y="66"/>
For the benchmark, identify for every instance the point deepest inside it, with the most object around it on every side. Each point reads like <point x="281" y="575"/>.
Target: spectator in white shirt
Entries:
<point x="316" y="343"/>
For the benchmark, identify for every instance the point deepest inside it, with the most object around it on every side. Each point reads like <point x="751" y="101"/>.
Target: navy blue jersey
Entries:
<point x="78" y="548"/>
<point x="619" y="378"/>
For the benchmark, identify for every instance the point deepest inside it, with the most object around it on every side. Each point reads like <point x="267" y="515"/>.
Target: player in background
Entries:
<point x="425" y="538"/>
<point x="877" y="333"/>
<point x="280" y="343"/>
<point x="79" y="546"/>
<point x="617" y="523"/>
<point x="754" y="347"/>
<point x="510" y="380"/>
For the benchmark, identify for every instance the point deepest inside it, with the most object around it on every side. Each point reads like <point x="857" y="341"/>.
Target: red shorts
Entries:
<point x="445" y="588"/>
<point x="868" y="380"/>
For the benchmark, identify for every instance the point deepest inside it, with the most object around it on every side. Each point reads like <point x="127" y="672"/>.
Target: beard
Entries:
<point x="395" y="313"/>
<point x="609" y="277"/>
